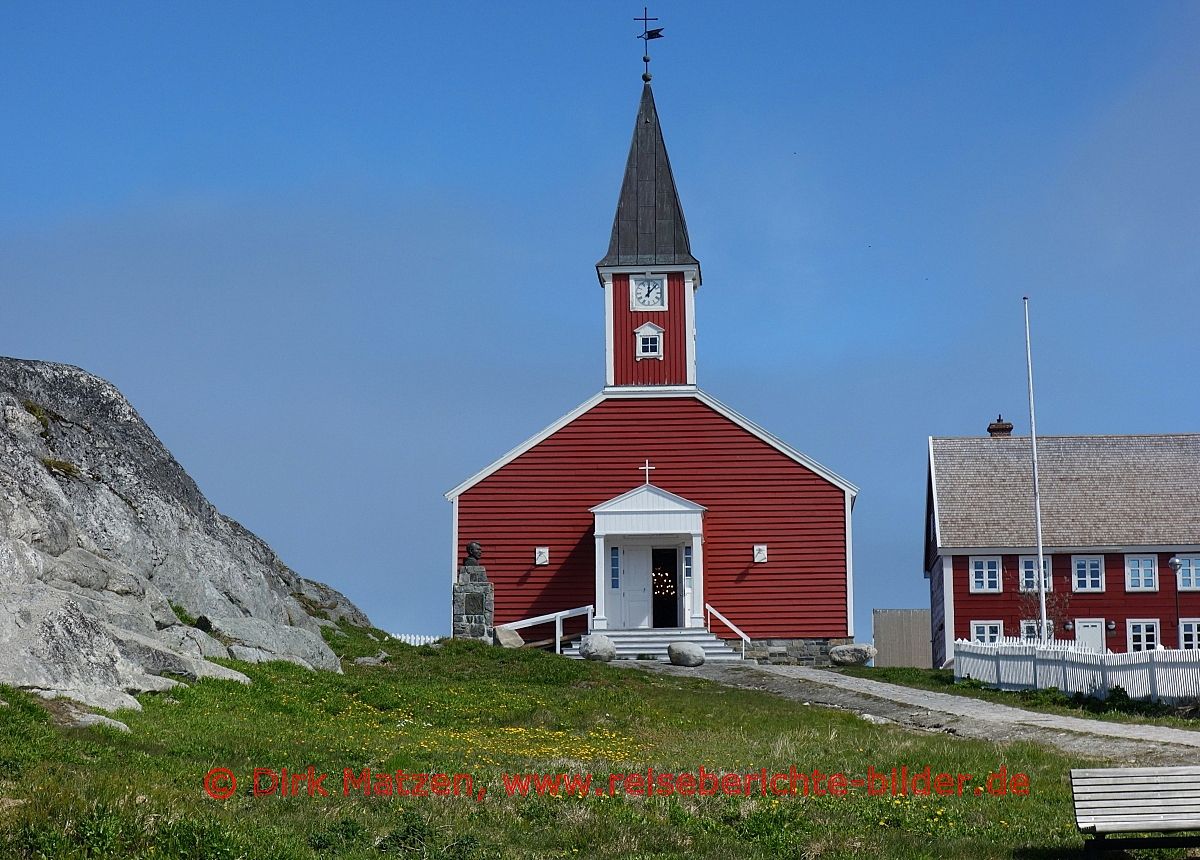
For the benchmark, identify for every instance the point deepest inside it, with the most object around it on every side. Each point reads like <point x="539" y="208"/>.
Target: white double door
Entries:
<point x="634" y="598"/>
<point x="631" y="597"/>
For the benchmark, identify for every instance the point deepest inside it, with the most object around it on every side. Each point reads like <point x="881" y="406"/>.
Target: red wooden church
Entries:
<point x="653" y="503"/>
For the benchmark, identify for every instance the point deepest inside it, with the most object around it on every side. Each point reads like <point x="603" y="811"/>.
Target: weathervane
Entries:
<point x="646" y="35"/>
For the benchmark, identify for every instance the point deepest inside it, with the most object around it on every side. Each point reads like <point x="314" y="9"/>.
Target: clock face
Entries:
<point x="649" y="293"/>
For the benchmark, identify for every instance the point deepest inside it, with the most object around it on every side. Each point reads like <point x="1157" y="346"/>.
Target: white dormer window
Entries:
<point x="648" y="341"/>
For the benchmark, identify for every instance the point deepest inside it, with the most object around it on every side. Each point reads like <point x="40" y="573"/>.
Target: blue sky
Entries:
<point x="340" y="256"/>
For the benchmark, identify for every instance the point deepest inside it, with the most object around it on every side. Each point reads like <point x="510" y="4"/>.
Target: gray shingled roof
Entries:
<point x="648" y="228"/>
<point x="1097" y="491"/>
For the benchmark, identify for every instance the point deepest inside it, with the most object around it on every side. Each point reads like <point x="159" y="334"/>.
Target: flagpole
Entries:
<point x="1037" y="494"/>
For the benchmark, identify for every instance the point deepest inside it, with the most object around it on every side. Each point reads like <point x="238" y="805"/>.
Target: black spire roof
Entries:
<point x="649" y="228"/>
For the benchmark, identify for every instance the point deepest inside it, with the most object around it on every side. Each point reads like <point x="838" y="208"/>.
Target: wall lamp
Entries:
<point x="760" y="553"/>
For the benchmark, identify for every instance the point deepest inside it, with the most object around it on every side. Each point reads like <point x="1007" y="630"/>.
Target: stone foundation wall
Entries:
<point x="789" y="652"/>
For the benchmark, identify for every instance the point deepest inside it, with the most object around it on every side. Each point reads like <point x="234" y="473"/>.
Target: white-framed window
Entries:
<point x="687" y="562"/>
<point x="1141" y="573"/>
<point x="1189" y="573"/>
<point x="614" y="566"/>
<point x="648" y="341"/>
<point x="1087" y="573"/>
<point x="987" y="631"/>
<point x="1142" y="634"/>
<point x="1189" y="633"/>
<point x="985" y="573"/>
<point x="1029" y="573"/>
<point x="1029" y="629"/>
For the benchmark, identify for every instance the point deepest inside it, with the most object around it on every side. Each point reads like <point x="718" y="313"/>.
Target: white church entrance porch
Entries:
<point x="649" y="540"/>
<point x="650" y="582"/>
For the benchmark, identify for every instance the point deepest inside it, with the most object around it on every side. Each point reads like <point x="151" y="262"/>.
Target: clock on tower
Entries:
<point x="648" y="293"/>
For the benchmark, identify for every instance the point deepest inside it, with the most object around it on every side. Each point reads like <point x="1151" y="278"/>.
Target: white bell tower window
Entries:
<point x="648" y="341"/>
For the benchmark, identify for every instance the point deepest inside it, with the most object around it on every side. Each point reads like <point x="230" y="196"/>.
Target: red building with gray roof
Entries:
<point x="1116" y="510"/>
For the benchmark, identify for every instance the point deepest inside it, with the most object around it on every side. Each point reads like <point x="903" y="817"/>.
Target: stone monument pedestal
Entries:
<point x="474" y="604"/>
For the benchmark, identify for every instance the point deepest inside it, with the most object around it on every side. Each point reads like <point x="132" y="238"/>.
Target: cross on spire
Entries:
<point x="647" y="469"/>
<point x="646" y="35"/>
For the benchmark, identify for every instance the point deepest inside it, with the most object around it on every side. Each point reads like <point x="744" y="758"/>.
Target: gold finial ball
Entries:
<point x="646" y="77"/>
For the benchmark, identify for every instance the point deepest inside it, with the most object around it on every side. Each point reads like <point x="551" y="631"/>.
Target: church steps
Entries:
<point x="632" y="644"/>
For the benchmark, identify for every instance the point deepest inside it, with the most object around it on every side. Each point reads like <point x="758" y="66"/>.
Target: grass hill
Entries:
<point x="462" y="708"/>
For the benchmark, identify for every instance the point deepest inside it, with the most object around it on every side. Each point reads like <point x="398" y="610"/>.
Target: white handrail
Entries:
<point x="557" y="618"/>
<point x="708" y="607"/>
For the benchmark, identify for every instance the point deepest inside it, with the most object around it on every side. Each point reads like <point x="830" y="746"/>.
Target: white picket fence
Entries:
<point x="416" y="638"/>
<point x="1016" y="664"/>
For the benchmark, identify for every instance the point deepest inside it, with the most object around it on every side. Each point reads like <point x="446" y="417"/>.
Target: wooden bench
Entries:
<point x="1161" y="800"/>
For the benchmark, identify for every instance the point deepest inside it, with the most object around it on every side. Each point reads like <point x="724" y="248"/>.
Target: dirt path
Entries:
<point x="957" y="715"/>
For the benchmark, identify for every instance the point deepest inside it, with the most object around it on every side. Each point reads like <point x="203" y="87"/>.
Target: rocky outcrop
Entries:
<point x="260" y="641"/>
<point x="381" y="658"/>
<point x="103" y="536"/>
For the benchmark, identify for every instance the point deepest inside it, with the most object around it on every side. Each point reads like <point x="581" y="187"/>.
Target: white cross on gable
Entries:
<point x="647" y="469"/>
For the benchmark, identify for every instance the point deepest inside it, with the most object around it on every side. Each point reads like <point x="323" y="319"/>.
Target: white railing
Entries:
<point x="416" y="638"/>
<point x="1015" y="664"/>
<point x="557" y="618"/>
<point x="710" y="612"/>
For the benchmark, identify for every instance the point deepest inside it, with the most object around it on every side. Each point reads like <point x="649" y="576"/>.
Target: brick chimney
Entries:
<point x="1000" y="427"/>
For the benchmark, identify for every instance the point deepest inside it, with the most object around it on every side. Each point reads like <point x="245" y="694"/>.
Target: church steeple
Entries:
<point x="649" y="274"/>
<point x="649" y="228"/>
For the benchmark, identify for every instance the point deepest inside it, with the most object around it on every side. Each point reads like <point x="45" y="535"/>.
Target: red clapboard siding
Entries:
<point x="754" y="494"/>
<point x="1113" y="604"/>
<point x="672" y="368"/>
